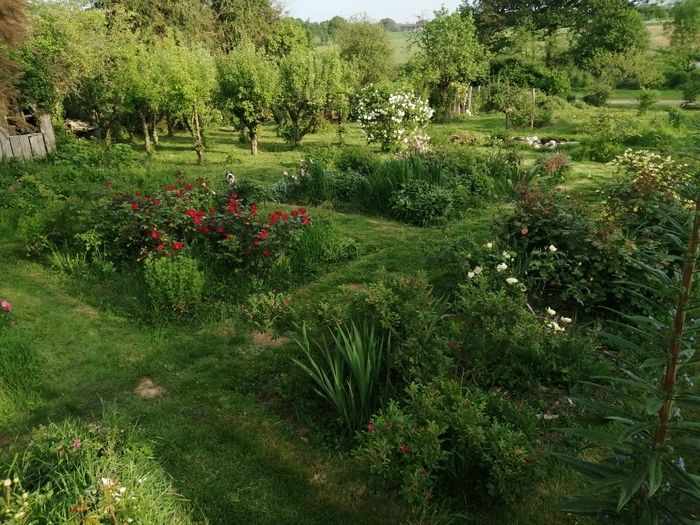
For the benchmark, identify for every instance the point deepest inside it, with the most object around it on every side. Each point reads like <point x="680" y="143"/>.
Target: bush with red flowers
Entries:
<point x="193" y="218"/>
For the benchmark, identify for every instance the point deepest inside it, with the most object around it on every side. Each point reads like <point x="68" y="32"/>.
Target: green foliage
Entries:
<point x="599" y="97"/>
<point x="441" y="435"/>
<point x="288" y="34"/>
<point x="685" y="34"/>
<point x="268" y="311"/>
<point x="248" y="87"/>
<point x="308" y="83"/>
<point x="174" y="283"/>
<point x="645" y="434"/>
<point x="419" y="202"/>
<point x="350" y="372"/>
<point x="366" y="46"/>
<point x="98" y="472"/>
<point x="358" y="160"/>
<point x="448" y="53"/>
<point x="318" y="245"/>
<point x="691" y="88"/>
<point x="612" y="26"/>
<point x="647" y="98"/>
<point x="676" y="117"/>
<point x="522" y="74"/>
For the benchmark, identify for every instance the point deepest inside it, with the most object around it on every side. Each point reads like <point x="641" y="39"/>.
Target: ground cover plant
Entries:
<point x="287" y="281"/>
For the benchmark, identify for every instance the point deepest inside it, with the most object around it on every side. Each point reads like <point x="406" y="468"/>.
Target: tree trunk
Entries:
<point x="154" y="130"/>
<point x="253" y="135"/>
<point x="196" y="130"/>
<point x="146" y="134"/>
<point x="170" y="122"/>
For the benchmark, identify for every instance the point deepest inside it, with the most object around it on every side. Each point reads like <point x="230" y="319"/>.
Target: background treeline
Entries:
<point x="134" y="68"/>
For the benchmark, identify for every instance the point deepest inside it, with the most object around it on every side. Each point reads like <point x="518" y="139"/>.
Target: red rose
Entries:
<point x="303" y="211"/>
<point x="177" y="246"/>
<point x="171" y="188"/>
<point x="220" y="229"/>
<point x="263" y="235"/>
<point x="206" y="230"/>
<point x="134" y="206"/>
<point x="254" y="210"/>
<point x="295" y="213"/>
<point x="370" y="427"/>
<point x="405" y="448"/>
<point x="156" y="201"/>
<point x="266" y="252"/>
<point x="155" y="235"/>
<point x="188" y="187"/>
<point x="305" y="220"/>
<point x="160" y="247"/>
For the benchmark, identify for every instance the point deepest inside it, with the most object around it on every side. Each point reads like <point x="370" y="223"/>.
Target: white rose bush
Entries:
<point x="394" y="120"/>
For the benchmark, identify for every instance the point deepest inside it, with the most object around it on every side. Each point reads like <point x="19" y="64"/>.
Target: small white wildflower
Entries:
<point x="507" y="256"/>
<point x="7" y="483"/>
<point x="552" y="248"/>
<point x="501" y="267"/>
<point x="551" y="312"/>
<point x="512" y="280"/>
<point x="565" y="320"/>
<point x="489" y="245"/>
<point x="555" y="326"/>
<point x="478" y="270"/>
<point x="471" y="275"/>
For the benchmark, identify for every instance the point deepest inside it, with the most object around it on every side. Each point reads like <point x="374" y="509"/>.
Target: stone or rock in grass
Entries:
<point x="265" y="339"/>
<point x="149" y="389"/>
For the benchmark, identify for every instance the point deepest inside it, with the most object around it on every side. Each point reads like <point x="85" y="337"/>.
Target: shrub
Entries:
<point x="268" y="311"/>
<point x="174" y="283"/>
<point x="357" y="159"/>
<point x="344" y="185"/>
<point x="599" y="97"/>
<point x="392" y="119"/>
<point x="349" y="375"/>
<point x="89" y="473"/>
<point x="554" y="167"/>
<point x="317" y="245"/>
<point x="440" y="436"/>
<point x="676" y="117"/>
<point x="421" y="203"/>
<point x="647" y="98"/>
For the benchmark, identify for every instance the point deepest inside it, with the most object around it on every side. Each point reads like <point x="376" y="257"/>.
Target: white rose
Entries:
<point x="512" y="280"/>
<point x="471" y="275"/>
<point x="551" y="312"/>
<point x="552" y="248"/>
<point x="565" y="320"/>
<point x="501" y="267"/>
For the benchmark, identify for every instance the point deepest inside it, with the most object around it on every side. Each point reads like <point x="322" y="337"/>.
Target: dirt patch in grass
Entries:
<point x="149" y="389"/>
<point x="265" y="339"/>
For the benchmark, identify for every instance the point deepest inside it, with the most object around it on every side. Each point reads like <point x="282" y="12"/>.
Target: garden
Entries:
<point x="283" y="283"/>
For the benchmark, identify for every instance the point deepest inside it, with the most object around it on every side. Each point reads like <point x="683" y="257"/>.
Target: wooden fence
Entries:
<point x="31" y="145"/>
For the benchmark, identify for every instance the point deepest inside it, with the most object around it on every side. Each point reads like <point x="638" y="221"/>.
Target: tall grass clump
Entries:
<point x="347" y="373"/>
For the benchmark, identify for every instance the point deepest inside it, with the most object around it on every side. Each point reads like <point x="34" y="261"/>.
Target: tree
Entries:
<point x="13" y="25"/>
<point x="188" y="79"/>
<point x="685" y="34"/>
<point x="289" y="34"/>
<point x="608" y="26"/>
<point x="367" y="46"/>
<point x="238" y="20"/>
<point x="247" y="87"/>
<point x="308" y="83"/>
<point x="449" y="54"/>
<point x="389" y="25"/>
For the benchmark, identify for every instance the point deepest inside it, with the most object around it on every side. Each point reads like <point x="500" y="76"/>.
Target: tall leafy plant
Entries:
<point x="347" y="372"/>
<point x="650" y="442"/>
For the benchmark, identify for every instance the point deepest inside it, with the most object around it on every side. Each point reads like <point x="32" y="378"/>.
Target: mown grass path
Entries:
<point x="232" y="457"/>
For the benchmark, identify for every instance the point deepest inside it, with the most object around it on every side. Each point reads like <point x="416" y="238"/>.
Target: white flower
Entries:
<point x="478" y="270"/>
<point x="506" y="256"/>
<point x="471" y="275"/>
<point x="7" y="483"/>
<point x="107" y="482"/>
<point x="489" y="245"/>
<point x="501" y="267"/>
<point x="552" y="248"/>
<point x="555" y="327"/>
<point x="565" y="320"/>
<point x="512" y="280"/>
<point x="551" y="312"/>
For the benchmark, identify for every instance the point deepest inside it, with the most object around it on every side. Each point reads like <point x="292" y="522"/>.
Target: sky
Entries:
<point x="399" y="10"/>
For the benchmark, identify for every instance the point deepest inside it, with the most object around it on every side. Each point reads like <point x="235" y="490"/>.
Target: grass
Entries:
<point x="227" y="432"/>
